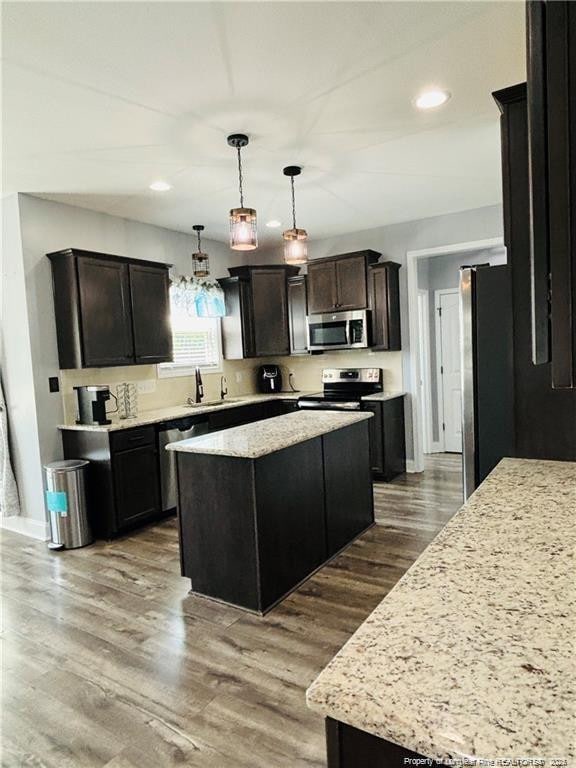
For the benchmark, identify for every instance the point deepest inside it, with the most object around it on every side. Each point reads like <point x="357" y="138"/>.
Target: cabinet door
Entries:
<point x="322" y="292"/>
<point x="351" y="283"/>
<point x="561" y="109"/>
<point x="376" y="438"/>
<point x="348" y="484"/>
<point x="136" y="485"/>
<point x="150" y="314"/>
<point x="270" y="312"/>
<point x="105" y="313"/>
<point x="298" y="310"/>
<point x="385" y="306"/>
<point x="393" y="438"/>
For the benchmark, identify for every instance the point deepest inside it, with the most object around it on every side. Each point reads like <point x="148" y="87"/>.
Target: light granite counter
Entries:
<point x="383" y="396"/>
<point x="159" y="415"/>
<point x="471" y="655"/>
<point x="252" y="441"/>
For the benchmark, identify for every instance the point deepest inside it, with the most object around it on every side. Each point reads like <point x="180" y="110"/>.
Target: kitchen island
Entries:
<point x="471" y="655"/>
<point x="264" y="505"/>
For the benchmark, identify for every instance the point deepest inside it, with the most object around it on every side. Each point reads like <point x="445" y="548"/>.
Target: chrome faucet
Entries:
<point x="223" y="387"/>
<point x="199" y="386"/>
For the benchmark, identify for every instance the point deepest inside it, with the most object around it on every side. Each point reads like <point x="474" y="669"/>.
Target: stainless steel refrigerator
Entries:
<point x="487" y="369"/>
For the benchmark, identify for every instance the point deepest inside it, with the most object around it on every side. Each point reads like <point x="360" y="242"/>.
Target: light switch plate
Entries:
<point x="146" y="387"/>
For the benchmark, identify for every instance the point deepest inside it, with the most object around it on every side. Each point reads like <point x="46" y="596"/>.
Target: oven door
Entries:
<point x="329" y="405"/>
<point x="340" y="330"/>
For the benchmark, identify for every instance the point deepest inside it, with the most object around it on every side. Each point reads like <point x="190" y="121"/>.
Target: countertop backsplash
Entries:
<point x="155" y="392"/>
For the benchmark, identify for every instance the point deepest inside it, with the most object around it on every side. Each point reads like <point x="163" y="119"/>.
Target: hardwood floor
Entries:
<point x="109" y="662"/>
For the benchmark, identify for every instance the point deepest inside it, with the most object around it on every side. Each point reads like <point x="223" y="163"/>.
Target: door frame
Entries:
<point x="424" y="340"/>
<point x="439" y="378"/>
<point x="413" y="357"/>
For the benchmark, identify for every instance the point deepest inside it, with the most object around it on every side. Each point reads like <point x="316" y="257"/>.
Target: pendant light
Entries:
<point x="200" y="261"/>
<point x="295" y="246"/>
<point x="243" y="234"/>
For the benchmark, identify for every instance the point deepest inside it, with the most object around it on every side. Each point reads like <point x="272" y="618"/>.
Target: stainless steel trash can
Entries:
<point x="66" y="503"/>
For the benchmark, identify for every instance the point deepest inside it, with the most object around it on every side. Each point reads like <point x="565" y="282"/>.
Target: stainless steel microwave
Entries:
<point x="339" y="330"/>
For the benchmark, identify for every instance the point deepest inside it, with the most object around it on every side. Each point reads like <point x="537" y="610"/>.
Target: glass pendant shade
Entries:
<point x="295" y="246"/>
<point x="200" y="265"/>
<point x="200" y="260"/>
<point x="243" y="231"/>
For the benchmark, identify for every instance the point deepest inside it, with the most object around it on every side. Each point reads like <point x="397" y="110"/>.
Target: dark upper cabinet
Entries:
<point x="384" y="290"/>
<point x="149" y="293"/>
<point x="110" y="310"/>
<point x="551" y="64"/>
<point x="104" y="312"/>
<point x="256" y="322"/>
<point x="339" y="282"/>
<point x="297" y="312"/>
<point x="543" y="416"/>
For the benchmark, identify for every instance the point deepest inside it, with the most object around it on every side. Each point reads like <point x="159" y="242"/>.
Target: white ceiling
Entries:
<point x="102" y="98"/>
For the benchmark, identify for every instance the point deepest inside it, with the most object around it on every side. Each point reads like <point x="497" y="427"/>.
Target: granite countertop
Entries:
<point x="251" y="441"/>
<point x="380" y="396"/>
<point x="471" y="655"/>
<point x="177" y="412"/>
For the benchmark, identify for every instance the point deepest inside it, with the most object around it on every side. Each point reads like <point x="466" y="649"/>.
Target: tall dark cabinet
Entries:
<point x="110" y="310"/>
<point x="551" y="67"/>
<point x="256" y="322"/>
<point x="384" y="297"/>
<point x="545" y="418"/>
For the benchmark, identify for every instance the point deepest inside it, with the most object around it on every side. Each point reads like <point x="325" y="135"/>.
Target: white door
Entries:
<point x="448" y="346"/>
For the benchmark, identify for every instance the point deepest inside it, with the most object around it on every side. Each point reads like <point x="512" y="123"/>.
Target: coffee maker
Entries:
<point x="269" y="379"/>
<point x="91" y="404"/>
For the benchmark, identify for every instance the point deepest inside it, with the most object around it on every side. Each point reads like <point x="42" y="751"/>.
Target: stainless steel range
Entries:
<point x="344" y="389"/>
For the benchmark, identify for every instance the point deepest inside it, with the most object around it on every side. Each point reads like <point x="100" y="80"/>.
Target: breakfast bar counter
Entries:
<point x="264" y="505"/>
<point x="471" y="655"/>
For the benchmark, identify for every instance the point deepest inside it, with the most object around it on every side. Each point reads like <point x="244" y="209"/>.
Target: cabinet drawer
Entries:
<point x="132" y="438"/>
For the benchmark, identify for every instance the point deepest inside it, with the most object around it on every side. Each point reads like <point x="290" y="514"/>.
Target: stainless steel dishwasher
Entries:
<point x="172" y="432"/>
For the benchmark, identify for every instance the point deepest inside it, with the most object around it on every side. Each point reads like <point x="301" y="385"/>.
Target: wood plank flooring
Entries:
<point x="108" y="662"/>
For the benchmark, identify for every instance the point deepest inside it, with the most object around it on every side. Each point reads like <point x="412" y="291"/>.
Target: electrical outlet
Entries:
<point x="239" y="377"/>
<point x="146" y="387"/>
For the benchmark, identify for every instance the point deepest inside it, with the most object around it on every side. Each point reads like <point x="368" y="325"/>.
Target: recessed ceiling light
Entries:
<point x="431" y="99"/>
<point x="160" y="186"/>
<point x="273" y="223"/>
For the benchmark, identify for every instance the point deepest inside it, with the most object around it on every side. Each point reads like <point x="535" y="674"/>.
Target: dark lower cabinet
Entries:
<point x="387" y="438"/>
<point x="349" y="747"/>
<point x="252" y="529"/>
<point x="123" y="480"/>
<point x="348" y="485"/>
<point x="244" y="414"/>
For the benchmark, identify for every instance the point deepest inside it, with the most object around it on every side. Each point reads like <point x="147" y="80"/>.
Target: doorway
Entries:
<point x="449" y="384"/>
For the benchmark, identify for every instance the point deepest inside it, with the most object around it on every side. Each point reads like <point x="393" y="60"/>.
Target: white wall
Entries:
<point x="393" y="242"/>
<point x="30" y="351"/>
<point x="438" y="273"/>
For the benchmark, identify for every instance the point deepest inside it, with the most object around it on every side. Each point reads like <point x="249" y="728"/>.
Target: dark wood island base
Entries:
<point x="253" y="529"/>
<point x="349" y="747"/>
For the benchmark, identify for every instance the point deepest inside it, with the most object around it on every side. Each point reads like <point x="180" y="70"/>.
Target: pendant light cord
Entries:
<point x="240" y="179"/>
<point x="293" y="202"/>
<point x="199" y="246"/>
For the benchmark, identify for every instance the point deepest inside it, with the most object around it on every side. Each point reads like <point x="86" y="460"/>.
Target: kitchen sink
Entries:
<point x="213" y="403"/>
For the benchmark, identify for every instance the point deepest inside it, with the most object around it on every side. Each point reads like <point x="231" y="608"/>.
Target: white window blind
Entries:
<point x="196" y="342"/>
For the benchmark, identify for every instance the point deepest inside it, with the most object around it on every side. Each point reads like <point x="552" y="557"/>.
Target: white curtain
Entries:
<point x="9" y="501"/>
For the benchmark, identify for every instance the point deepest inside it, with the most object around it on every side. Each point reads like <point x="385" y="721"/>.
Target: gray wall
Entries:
<point x="393" y="242"/>
<point x="439" y="273"/>
<point x="30" y="353"/>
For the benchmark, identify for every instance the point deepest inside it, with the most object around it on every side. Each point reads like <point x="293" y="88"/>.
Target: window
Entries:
<point x="197" y="342"/>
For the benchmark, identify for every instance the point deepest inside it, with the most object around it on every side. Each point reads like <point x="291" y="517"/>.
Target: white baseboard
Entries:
<point x="410" y="465"/>
<point x="35" y="529"/>
<point x="436" y="448"/>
